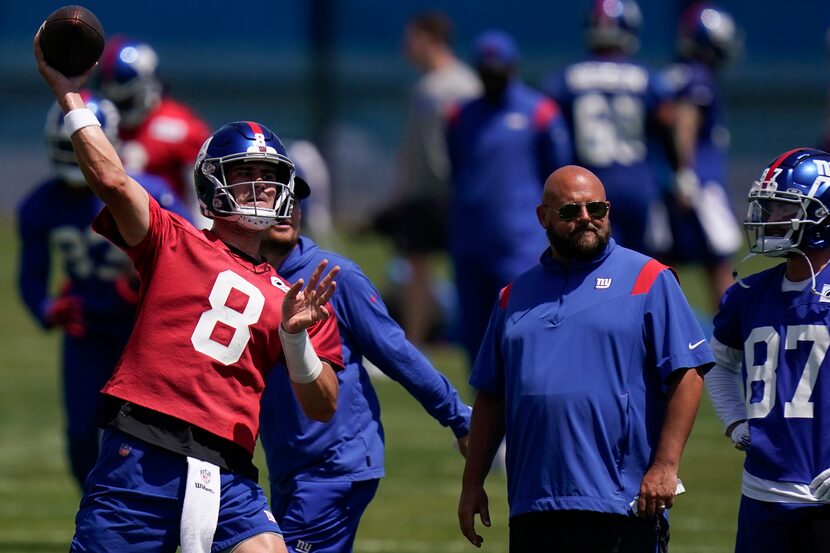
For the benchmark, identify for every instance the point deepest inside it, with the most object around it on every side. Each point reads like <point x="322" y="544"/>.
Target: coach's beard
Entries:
<point x="582" y="244"/>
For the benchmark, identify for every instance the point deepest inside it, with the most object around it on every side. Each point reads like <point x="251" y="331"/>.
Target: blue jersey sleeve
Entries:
<point x="383" y="343"/>
<point x="35" y="263"/>
<point x="672" y="329"/>
<point x="487" y="374"/>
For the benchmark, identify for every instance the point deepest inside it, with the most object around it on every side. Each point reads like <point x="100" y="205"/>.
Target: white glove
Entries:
<point x="740" y="436"/>
<point x="820" y="486"/>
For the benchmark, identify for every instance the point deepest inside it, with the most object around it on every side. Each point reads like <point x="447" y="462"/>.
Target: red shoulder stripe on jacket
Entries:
<point x="648" y="274"/>
<point x="504" y="296"/>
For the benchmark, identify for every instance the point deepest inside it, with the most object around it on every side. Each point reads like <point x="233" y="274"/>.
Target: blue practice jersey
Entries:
<point x="581" y="355"/>
<point x="610" y="105"/>
<point x="695" y="82"/>
<point x="784" y="338"/>
<point x="500" y="155"/>
<point x="350" y="445"/>
<point x="56" y="216"/>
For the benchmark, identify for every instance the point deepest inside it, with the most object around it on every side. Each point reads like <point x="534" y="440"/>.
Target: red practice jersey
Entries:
<point x="206" y="332"/>
<point x="166" y="145"/>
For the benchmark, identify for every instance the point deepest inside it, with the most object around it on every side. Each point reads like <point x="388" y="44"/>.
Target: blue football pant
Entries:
<point x="765" y="527"/>
<point x="321" y="517"/>
<point x="87" y="365"/>
<point x="133" y="501"/>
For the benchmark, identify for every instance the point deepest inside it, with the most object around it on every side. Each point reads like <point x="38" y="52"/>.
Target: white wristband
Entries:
<point x="303" y="364"/>
<point x="77" y="119"/>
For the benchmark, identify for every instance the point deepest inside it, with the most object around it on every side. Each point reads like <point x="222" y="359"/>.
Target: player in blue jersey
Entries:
<point x="591" y="369"/>
<point x="704" y="226"/>
<point x="502" y="146"/>
<point x="95" y="306"/>
<point x="770" y="387"/>
<point x="323" y="476"/>
<point x="617" y="111"/>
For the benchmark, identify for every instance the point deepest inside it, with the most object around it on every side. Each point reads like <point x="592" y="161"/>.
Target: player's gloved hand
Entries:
<point x="66" y="312"/>
<point x="687" y="187"/>
<point x="740" y="436"/>
<point x="820" y="486"/>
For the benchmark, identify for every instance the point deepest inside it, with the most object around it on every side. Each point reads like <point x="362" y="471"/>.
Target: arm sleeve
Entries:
<point x="383" y="343"/>
<point x="724" y="384"/>
<point x="34" y="267"/>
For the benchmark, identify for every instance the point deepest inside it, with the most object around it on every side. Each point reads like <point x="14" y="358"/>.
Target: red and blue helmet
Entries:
<point x="128" y="76"/>
<point x="614" y="24"/>
<point x="788" y="204"/>
<point x="243" y="141"/>
<point x="707" y="33"/>
<point x="59" y="144"/>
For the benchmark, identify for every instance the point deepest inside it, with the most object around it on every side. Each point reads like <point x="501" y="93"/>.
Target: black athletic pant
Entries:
<point x="586" y="532"/>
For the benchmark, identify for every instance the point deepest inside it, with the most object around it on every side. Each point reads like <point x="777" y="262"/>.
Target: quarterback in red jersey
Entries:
<point x="160" y="136"/>
<point x="176" y="455"/>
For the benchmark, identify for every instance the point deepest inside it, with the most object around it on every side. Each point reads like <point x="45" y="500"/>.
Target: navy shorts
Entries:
<point x="321" y="517"/>
<point x="765" y="527"/>
<point x="134" y="495"/>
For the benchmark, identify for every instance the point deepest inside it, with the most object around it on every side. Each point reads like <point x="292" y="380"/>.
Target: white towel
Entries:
<point x="200" y="511"/>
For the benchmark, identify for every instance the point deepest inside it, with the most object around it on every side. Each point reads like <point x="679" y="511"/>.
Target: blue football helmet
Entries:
<point x="243" y="141"/>
<point x="128" y="77"/>
<point x="707" y="33"/>
<point x="614" y="24"/>
<point x="788" y="204"/>
<point x="59" y="144"/>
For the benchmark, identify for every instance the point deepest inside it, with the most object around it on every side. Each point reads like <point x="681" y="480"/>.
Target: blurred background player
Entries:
<point x="616" y="109"/>
<point x="160" y="135"/>
<point x="770" y="387"/>
<point x="95" y="306"/>
<point x="502" y="146"/>
<point x="417" y="220"/>
<point x="317" y="220"/>
<point x="323" y="475"/>
<point x="703" y="222"/>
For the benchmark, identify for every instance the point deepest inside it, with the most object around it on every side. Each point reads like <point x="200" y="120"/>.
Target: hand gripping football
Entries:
<point x="72" y="40"/>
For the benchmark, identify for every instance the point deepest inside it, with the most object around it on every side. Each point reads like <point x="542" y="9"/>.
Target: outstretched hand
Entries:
<point x="302" y="307"/>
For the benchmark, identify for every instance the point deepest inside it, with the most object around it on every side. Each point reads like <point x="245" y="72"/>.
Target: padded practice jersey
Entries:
<point x="581" y="355"/>
<point x="206" y="331"/>
<point x="784" y="338"/>
<point x="166" y="144"/>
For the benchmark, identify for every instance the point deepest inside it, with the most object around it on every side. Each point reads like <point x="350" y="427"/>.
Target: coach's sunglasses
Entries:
<point x="569" y="212"/>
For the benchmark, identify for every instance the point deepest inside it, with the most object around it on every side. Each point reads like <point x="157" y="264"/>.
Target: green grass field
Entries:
<point x="415" y="509"/>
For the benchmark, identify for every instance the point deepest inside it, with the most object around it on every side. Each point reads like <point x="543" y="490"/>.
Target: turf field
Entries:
<point x="415" y="510"/>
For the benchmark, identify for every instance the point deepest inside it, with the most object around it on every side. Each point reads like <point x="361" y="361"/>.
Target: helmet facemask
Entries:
<point x="242" y="202"/>
<point x="777" y="221"/>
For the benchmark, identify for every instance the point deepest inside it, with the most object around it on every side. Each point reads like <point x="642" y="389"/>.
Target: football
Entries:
<point x="72" y="40"/>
